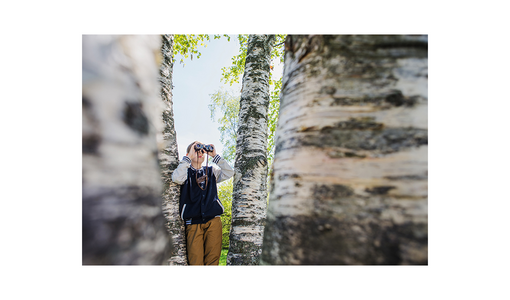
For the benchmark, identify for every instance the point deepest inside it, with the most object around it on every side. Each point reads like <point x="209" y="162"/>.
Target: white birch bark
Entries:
<point x="122" y="219"/>
<point x="350" y="169"/>
<point x="169" y="158"/>
<point x="250" y="190"/>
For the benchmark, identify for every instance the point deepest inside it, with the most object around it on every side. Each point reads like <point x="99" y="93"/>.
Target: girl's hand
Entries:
<point x="192" y="153"/>
<point x="213" y="153"/>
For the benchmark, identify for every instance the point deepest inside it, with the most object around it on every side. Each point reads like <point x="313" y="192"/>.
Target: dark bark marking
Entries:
<point x="90" y="144"/>
<point x="395" y="97"/>
<point x="386" y="100"/>
<point x="101" y="229"/>
<point x="135" y="118"/>
<point x="330" y="90"/>
<point x="285" y="176"/>
<point x="338" y="153"/>
<point x="402" y="44"/>
<point x="85" y="102"/>
<point x="244" y="222"/>
<point x="251" y="112"/>
<point x="334" y="191"/>
<point x="379" y="190"/>
<point x="362" y="123"/>
<point x="359" y="134"/>
<point x="251" y="258"/>
<point x="248" y="164"/>
<point x="330" y="241"/>
<point x="383" y="46"/>
<point x="408" y="177"/>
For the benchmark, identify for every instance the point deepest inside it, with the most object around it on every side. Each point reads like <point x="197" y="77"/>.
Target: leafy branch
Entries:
<point x="187" y="45"/>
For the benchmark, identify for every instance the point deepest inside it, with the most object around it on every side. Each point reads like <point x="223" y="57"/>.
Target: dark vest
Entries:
<point x="196" y="204"/>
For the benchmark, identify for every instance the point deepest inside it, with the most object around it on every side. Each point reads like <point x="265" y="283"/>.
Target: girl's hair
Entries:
<point x="189" y="147"/>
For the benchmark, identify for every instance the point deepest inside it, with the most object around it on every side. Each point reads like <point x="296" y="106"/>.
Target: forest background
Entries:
<point x="207" y="78"/>
<point x="43" y="128"/>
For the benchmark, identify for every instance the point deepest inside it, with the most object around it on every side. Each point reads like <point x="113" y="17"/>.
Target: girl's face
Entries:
<point x="201" y="156"/>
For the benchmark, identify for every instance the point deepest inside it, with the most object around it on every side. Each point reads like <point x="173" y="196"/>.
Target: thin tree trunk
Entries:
<point x="350" y="169"/>
<point x="169" y="158"/>
<point x="122" y="219"/>
<point x="250" y="188"/>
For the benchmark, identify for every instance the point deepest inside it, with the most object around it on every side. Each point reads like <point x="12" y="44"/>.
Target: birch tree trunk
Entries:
<point x="249" y="196"/>
<point x="122" y="219"/>
<point x="350" y="168"/>
<point x="169" y="158"/>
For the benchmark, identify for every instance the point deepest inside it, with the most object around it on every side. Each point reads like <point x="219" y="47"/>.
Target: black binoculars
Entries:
<point x="202" y="147"/>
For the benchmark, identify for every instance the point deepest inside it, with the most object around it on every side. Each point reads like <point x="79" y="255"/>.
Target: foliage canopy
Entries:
<point x="187" y="44"/>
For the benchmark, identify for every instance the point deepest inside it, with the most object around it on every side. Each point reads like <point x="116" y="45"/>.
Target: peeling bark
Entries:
<point x="169" y="157"/>
<point x="250" y="191"/>
<point x="350" y="181"/>
<point x="122" y="219"/>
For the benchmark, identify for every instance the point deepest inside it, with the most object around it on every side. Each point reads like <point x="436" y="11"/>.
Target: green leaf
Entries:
<point x="187" y="44"/>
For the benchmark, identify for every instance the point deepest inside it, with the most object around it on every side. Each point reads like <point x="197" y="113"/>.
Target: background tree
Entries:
<point x="169" y="157"/>
<point x="227" y="105"/>
<point x="250" y="189"/>
<point x="122" y="220"/>
<point x="350" y="170"/>
<point x="232" y="74"/>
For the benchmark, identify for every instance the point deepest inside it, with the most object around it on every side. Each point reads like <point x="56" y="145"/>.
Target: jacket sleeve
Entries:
<point x="180" y="174"/>
<point x="224" y="171"/>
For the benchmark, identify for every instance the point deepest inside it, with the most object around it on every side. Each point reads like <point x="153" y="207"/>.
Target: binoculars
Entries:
<point x="202" y="147"/>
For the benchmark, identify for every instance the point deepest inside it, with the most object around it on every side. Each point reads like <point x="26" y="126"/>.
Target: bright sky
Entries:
<point x="194" y="83"/>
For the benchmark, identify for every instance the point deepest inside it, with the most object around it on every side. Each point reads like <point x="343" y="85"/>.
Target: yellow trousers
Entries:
<point x="203" y="242"/>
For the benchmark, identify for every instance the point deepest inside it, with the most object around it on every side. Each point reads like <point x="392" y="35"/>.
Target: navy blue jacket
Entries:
<point x="197" y="206"/>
